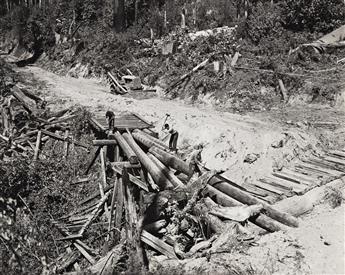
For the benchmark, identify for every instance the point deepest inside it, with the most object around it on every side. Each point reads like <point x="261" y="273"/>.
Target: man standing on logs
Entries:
<point x="173" y="137"/>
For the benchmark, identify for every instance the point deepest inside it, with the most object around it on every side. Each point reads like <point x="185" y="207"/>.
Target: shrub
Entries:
<point x="313" y="15"/>
<point x="264" y="21"/>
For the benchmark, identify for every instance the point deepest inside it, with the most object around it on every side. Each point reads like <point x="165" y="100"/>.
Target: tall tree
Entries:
<point x="119" y="15"/>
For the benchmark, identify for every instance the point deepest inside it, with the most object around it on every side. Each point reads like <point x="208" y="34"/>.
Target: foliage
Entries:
<point x="313" y="15"/>
<point x="265" y="21"/>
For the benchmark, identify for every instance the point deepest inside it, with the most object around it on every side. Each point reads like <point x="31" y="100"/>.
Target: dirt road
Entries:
<point x="228" y="138"/>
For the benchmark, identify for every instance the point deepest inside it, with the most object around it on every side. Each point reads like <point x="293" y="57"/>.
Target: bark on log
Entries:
<point x="245" y="198"/>
<point x="153" y="139"/>
<point x="261" y="220"/>
<point x="145" y="140"/>
<point x="170" y="160"/>
<point x="101" y="142"/>
<point x="167" y="172"/>
<point x="156" y="173"/>
<point x="131" y="156"/>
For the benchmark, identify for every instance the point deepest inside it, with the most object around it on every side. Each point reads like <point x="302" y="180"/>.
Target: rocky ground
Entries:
<point x="316" y="247"/>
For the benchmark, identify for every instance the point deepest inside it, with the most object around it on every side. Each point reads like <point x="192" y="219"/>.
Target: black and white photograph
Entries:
<point x="172" y="137"/>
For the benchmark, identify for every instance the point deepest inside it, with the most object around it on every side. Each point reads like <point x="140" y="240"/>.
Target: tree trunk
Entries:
<point x="119" y="15"/>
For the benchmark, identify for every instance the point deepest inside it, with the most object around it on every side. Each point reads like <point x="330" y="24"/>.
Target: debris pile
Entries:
<point x="26" y="126"/>
<point x="146" y="205"/>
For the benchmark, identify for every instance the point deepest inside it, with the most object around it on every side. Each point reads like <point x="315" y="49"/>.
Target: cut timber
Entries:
<point x="282" y="89"/>
<point x="250" y="200"/>
<point x="182" y="78"/>
<point x="58" y="137"/>
<point x="131" y="156"/>
<point x="269" y="188"/>
<point x="167" y="172"/>
<point x="119" y="206"/>
<point x="104" y="142"/>
<point x="300" y="176"/>
<point x="160" y="143"/>
<point x="335" y="160"/>
<point x="326" y="164"/>
<point x="318" y="169"/>
<point x="126" y="164"/>
<point x="337" y="153"/>
<point x="261" y="220"/>
<point x="158" y="244"/>
<point x="96" y="125"/>
<point x="295" y="187"/>
<point x="66" y="143"/>
<point x="93" y="160"/>
<point x="292" y="178"/>
<point x="156" y="173"/>
<point x="118" y="85"/>
<point x="146" y="140"/>
<point x="38" y="144"/>
<point x="22" y="98"/>
<point x="132" y="178"/>
<point x="170" y="160"/>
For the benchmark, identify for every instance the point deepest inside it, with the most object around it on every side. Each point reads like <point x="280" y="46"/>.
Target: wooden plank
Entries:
<point x="300" y="176"/>
<point x="319" y="169"/>
<point x="38" y="144"/>
<point x="95" y="124"/>
<point x="292" y="178"/>
<point x="268" y="187"/>
<point x="87" y="256"/>
<point x="66" y="144"/>
<point x="326" y="164"/>
<point x="337" y="153"/>
<point x="298" y="188"/>
<point x="335" y="160"/>
<point x="93" y="160"/>
<point x="102" y="142"/>
<point x="119" y="207"/>
<point x="58" y="137"/>
<point x="158" y="244"/>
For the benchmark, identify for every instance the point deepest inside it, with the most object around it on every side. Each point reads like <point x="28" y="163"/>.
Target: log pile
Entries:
<point x="26" y="126"/>
<point x="147" y="208"/>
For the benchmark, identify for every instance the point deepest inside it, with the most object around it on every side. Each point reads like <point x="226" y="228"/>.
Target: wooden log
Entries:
<point x="104" y="142"/>
<point x="119" y="208"/>
<point x="118" y="85"/>
<point x="126" y="164"/>
<point x="261" y="220"/>
<point x="156" y="173"/>
<point x="13" y="143"/>
<point x="292" y="178"/>
<point x="182" y="78"/>
<point x="282" y="89"/>
<point x="269" y="188"/>
<point x="132" y="178"/>
<point x="250" y="200"/>
<point x="66" y="144"/>
<point x="112" y="205"/>
<point x="158" y="244"/>
<point x="167" y="172"/>
<point x="38" y="144"/>
<point x="170" y="160"/>
<point x="319" y="169"/>
<point x="153" y="139"/>
<point x="145" y="140"/>
<point x="20" y="96"/>
<point x="104" y="180"/>
<point x="128" y="151"/>
<point x="337" y="153"/>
